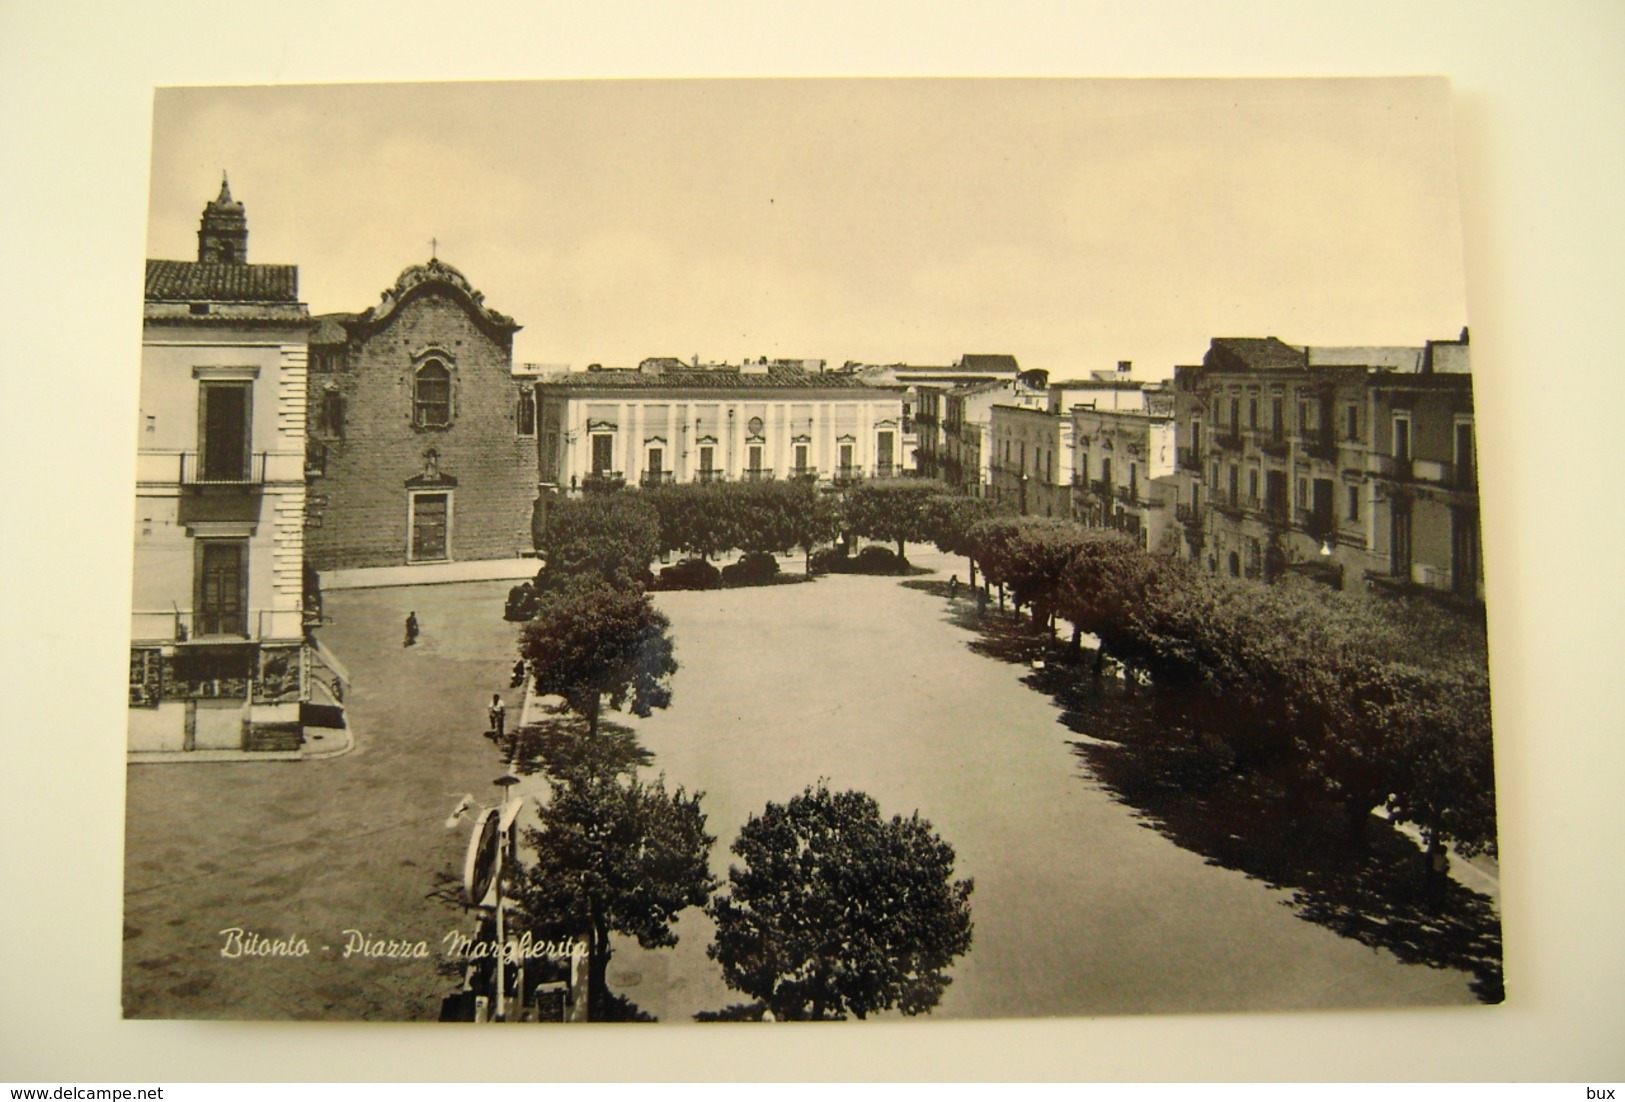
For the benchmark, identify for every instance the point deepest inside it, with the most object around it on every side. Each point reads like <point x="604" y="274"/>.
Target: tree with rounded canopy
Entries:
<point x="1035" y="560"/>
<point x="612" y="855"/>
<point x="836" y="911"/>
<point x="597" y="539"/>
<point x="589" y="644"/>
<point x="1107" y="575"/>
<point x="815" y="520"/>
<point x="891" y="509"/>
<point x="950" y="519"/>
<point x="696" y="517"/>
<point x="764" y="515"/>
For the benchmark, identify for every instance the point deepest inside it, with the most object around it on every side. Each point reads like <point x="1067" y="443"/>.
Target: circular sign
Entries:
<point x="484" y="851"/>
<point x="755" y="426"/>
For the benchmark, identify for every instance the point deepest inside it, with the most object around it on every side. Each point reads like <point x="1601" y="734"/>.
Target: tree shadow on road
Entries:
<point x="934" y="586"/>
<point x="560" y="746"/>
<point x="447" y="889"/>
<point x="1369" y="887"/>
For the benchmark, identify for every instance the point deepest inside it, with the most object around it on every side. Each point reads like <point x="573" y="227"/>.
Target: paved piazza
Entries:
<point x="1079" y="908"/>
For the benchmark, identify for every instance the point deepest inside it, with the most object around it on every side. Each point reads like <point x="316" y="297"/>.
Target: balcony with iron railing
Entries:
<point x="1319" y="527"/>
<point x="600" y="481"/>
<point x="192" y="468"/>
<point x="1321" y="446"/>
<point x="1190" y="459"/>
<point x="756" y="474"/>
<point x="806" y="474"/>
<point x="1129" y="495"/>
<point x="1186" y="513"/>
<point x="1392" y="467"/>
<point x="1433" y="472"/>
<point x="887" y="470"/>
<point x="1275" y="444"/>
<point x="201" y="469"/>
<point x="709" y="474"/>
<point x="215" y="627"/>
<point x="847" y="475"/>
<point x="650" y="479"/>
<point x="1227" y="440"/>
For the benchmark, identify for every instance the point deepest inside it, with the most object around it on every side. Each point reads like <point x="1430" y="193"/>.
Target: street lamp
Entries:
<point x="505" y="852"/>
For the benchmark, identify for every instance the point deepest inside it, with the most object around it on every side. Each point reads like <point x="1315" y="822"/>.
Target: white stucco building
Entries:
<point x="217" y="616"/>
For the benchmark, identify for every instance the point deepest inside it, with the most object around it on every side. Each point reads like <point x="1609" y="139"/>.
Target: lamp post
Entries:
<point x="504" y="853"/>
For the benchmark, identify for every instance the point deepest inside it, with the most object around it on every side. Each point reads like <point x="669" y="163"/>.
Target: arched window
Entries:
<point x="431" y="396"/>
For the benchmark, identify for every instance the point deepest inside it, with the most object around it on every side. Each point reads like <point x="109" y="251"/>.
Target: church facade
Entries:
<point x="421" y="439"/>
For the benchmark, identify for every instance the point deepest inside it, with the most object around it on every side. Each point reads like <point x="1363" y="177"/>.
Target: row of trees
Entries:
<point x="1372" y="703"/>
<point x="813" y="924"/>
<point x="612" y="538"/>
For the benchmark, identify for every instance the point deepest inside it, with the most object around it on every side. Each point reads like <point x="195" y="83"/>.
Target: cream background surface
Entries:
<point x="1541" y="148"/>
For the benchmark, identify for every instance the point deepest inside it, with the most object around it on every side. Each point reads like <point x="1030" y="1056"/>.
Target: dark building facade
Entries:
<point x="1348" y="464"/>
<point x="421" y="440"/>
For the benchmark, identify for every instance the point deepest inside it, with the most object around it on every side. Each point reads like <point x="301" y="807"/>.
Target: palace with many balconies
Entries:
<point x="668" y="422"/>
<point x="1346" y="464"/>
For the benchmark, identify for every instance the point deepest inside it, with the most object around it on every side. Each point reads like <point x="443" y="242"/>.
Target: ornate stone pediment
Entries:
<point x="435" y="274"/>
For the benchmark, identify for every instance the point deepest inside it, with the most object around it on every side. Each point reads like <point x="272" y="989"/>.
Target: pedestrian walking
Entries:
<point x="518" y="678"/>
<point x="411" y="629"/>
<point x="953" y="587"/>
<point x="497" y="713"/>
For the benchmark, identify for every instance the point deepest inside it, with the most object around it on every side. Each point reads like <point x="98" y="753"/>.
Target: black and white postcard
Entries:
<point x="784" y="550"/>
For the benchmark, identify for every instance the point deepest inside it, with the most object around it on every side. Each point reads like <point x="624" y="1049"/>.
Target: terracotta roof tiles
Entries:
<point x="775" y="378"/>
<point x="192" y="281"/>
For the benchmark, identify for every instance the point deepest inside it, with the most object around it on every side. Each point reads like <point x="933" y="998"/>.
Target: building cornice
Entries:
<point x="420" y="279"/>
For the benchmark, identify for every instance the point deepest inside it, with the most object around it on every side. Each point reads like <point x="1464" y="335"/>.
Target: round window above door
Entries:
<point x="755" y="426"/>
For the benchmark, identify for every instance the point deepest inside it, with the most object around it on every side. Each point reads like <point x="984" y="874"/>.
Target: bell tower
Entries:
<point x="223" y="236"/>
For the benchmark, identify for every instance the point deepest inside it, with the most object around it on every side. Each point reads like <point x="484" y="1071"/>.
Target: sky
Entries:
<point x="1072" y="223"/>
